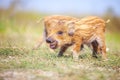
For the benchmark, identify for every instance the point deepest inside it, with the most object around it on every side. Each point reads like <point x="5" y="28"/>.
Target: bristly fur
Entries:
<point x="89" y="30"/>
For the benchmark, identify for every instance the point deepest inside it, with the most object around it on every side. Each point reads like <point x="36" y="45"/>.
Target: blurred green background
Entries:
<point x="22" y="17"/>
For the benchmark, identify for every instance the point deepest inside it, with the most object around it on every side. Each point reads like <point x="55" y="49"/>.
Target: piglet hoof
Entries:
<point x="94" y="56"/>
<point x="75" y="58"/>
<point x="59" y="55"/>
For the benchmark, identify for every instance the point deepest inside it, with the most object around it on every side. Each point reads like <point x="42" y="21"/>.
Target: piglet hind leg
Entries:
<point x="103" y="51"/>
<point x="102" y="46"/>
<point x="95" y="49"/>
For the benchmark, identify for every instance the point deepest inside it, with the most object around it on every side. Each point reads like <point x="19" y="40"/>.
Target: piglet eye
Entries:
<point x="60" y="32"/>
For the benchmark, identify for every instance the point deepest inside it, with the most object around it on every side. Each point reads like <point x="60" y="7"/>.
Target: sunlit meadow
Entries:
<point x="20" y="32"/>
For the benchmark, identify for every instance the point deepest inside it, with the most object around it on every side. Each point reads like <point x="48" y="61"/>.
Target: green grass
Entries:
<point x="18" y="58"/>
<point x="23" y="58"/>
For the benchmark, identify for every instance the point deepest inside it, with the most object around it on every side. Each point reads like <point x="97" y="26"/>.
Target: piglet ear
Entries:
<point x="61" y="22"/>
<point x="71" y="28"/>
<point x="71" y="33"/>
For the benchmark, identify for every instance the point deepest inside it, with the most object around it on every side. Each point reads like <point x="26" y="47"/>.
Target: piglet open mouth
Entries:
<point x="53" y="45"/>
